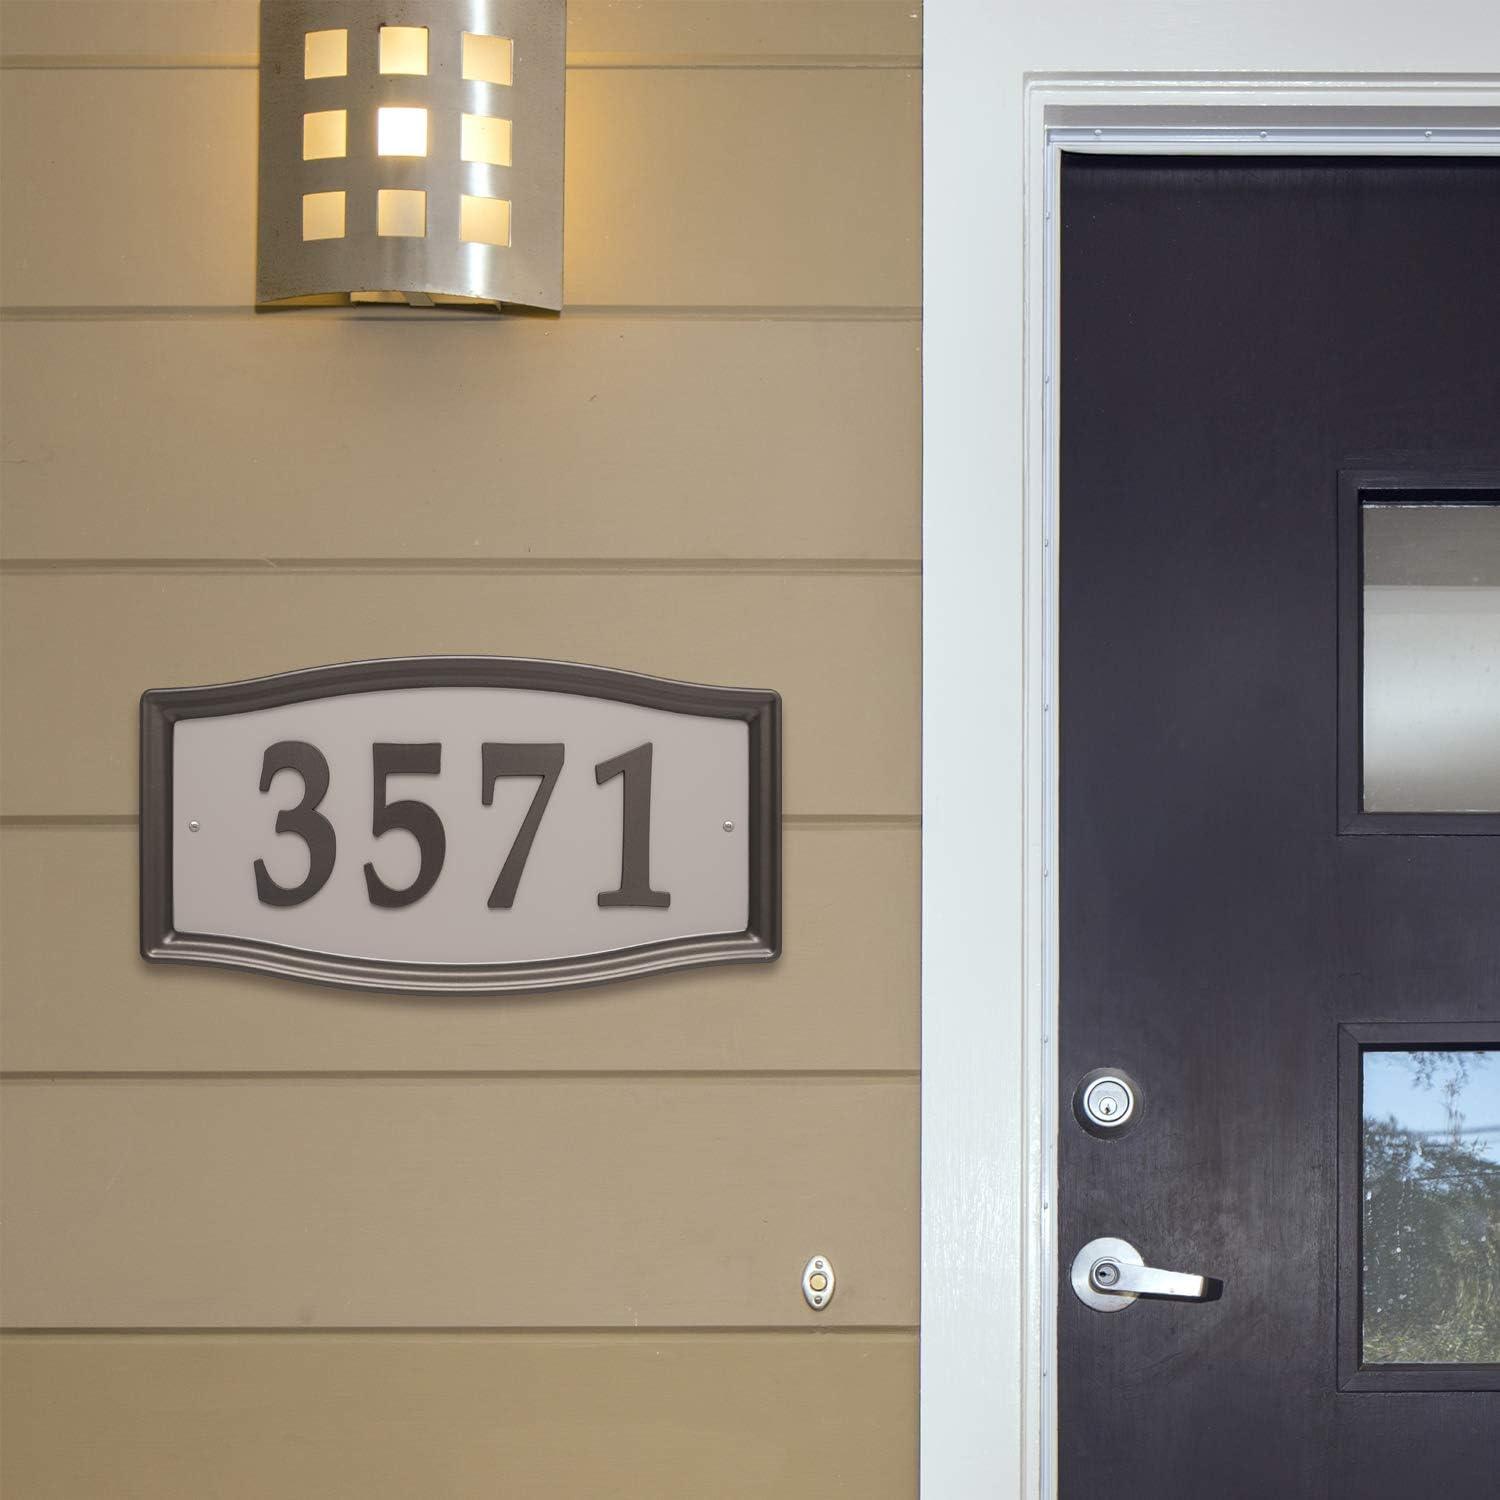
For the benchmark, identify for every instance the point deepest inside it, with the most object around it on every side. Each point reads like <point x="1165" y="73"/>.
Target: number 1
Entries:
<point x="635" y="844"/>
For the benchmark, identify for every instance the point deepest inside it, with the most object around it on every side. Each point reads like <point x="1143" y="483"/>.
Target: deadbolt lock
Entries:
<point x="1106" y="1102"/>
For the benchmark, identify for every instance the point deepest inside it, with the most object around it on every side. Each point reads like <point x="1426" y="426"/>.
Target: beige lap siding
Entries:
<point x="531" y="1246"/>
<point x="623" y="33"/>
<point x="613" y="438"/>
<point x="470" y="1202"/>
<point x="392" y="1417"/>
<point x="685" y="187"/>
<point x="841" y="647"/>
<point x="838" y="1001"/>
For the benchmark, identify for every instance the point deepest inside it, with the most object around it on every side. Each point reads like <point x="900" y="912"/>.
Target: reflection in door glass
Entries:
<point x="1431" y="657"/>
<point x="1431" y="1237"/>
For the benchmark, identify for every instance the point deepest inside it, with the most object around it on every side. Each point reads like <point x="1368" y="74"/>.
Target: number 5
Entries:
<point x="417" y="818"/>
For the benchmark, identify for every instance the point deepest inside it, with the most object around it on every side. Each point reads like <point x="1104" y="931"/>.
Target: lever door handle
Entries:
<point x="1109" y="1274"/>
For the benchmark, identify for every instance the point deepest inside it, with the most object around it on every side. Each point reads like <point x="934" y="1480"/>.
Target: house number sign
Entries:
<point x="460" y="825"/>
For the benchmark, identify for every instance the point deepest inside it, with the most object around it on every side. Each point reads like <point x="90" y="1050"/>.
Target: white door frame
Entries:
<point x="989" y="1006"/>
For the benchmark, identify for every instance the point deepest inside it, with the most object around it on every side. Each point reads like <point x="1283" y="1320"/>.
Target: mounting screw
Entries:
<point x="193" y="826"/>
<point x="728" y="825"/>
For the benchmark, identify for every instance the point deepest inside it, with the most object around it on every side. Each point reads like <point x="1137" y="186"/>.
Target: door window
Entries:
<point x="1419" y="1275"/>
<point x="1431" y="657"/>
<point x="1430" y="1232"/>
<point x="1419" y="654"/>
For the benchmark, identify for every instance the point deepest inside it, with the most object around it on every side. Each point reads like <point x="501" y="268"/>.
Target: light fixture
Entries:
<point x="411" y="152"/>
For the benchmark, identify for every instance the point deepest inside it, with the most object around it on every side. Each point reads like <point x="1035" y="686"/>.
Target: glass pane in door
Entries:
<point x="1431" y="657"/>
<point x="1431" y="1207"/>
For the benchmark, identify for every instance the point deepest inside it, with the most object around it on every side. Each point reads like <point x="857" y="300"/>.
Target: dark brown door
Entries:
<point x="1280" y="826"/>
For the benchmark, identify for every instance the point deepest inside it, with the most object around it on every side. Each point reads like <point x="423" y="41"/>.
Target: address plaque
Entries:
<point x="460" y="825"/>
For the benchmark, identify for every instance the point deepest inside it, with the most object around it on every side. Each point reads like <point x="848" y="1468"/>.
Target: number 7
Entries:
<point x="496" y="761"/>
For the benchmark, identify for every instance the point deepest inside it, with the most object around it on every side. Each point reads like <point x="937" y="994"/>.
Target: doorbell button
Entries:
<point x="817" y="1282"/>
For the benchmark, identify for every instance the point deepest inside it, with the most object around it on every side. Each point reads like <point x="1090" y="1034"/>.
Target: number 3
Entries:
<point x="304" y="820"/>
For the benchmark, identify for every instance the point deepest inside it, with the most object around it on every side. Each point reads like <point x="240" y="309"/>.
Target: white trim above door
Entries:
<point x="992" y="160"/>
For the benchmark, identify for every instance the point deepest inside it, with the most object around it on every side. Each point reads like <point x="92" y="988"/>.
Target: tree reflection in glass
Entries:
<point x="1431" y="1240"/>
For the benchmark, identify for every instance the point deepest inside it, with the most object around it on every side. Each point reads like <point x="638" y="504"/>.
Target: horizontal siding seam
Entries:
<point x="455" y="317"/>
<point x="581" y="62"/>
<point x="455" y="1076"/>
<point x="855" y="821"/>
<point x="884" y="567"/>
<point x="677" y="1331"/>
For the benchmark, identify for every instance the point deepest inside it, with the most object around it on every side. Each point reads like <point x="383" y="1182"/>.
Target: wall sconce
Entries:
<point x="411" y="151"/>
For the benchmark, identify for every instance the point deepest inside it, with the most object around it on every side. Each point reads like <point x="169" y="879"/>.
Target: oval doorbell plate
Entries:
<point x="817" y="1282"/>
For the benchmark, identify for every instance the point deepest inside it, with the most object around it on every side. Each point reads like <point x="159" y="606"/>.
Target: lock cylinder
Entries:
<point x="1106" y="1103"/>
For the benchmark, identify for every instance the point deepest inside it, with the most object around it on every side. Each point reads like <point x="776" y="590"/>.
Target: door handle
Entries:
<point x="1146" y="1281"/>
<point x="1109" y="1274"/>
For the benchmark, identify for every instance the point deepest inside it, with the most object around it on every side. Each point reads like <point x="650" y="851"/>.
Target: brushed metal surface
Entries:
<point x="362" y="263"/>
<point x="1108" y="1275"/>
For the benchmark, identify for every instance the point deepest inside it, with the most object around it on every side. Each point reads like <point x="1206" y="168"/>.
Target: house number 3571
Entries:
<point x="420" y="820"/>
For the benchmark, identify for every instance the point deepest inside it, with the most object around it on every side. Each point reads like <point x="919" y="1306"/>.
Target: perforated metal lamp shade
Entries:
<point x="411" y="151"/>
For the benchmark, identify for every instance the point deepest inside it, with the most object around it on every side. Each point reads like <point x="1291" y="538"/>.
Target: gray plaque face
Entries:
<point x="460" y="825"/>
